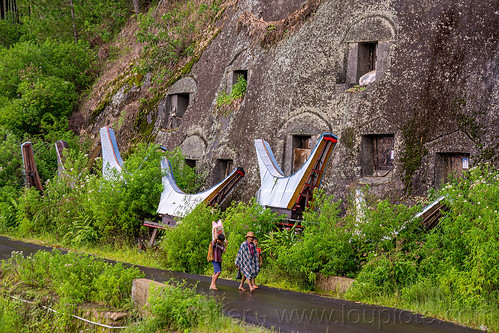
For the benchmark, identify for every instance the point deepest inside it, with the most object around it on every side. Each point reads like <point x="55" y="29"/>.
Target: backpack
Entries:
<point x="210" y="252"/>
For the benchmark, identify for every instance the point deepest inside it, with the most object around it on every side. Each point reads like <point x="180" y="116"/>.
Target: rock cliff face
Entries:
<point x="433" y="108"/>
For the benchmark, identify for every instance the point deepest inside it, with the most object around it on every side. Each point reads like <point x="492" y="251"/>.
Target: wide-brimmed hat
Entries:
<point x="250" y="234"/>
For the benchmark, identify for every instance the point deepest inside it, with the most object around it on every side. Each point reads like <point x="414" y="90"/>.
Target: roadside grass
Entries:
<point x="78" y="284"/>
<point x="440" y="306"/>
<point x="485" y="317"/>
<point x="118" y="252"/>
<point x="126" y="254"/>
<point x="232" y="325"/>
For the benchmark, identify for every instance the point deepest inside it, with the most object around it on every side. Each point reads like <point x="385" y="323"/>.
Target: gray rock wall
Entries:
<point x="436" y="91"/>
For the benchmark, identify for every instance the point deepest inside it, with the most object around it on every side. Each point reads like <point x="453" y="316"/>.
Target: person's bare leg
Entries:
<point x="242" y="282"/>
<point x="251" y="287"/>
<point x="214" y="278"/>
<point x="254" y="284"/>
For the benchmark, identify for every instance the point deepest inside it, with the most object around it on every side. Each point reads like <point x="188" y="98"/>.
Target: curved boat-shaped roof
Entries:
<point x="59" y="150"/>
<point x="111" y="158"/>
<point x="175" y="203"/>
<point x="287" y="193"/>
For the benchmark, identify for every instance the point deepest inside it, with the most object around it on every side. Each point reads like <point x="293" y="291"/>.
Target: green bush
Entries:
<point x="38" y="91"/>
<point x="10" y="159"/>
<point x="340" y="246"/>
<point x="173" y="36"/>
<point x="323" y="246"/>
<point x="114" y="284"/>
<point x="80" y="208"/>
<point x="187" y="179"/>
<point x="186" y="246"/>
<point x="465" y="244"/>
<point x="28" y="212"/>
<point x="238" y="91"/>
<point x="116" y="205"/>
<point x="384" y="227"/>
<point x="8" y="208"/>
<point x="10" y="31"/>
<point x="92" y="20"/>
<point x="454" y="266"/>
<point x="242" y="217"/>
<point x="178" y="306"/>
<point x="75" y="278"/>
<point x="28" y="61"/>
<point x="384" y="274"/>
<point x="16" y="316"/>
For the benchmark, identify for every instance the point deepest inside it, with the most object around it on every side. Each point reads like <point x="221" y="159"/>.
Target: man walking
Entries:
<point x="247" y="261"/>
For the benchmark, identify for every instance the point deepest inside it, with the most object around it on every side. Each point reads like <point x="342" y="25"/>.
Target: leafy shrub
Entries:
<point x="322" y="247"/>
<point x="238" y="91"/>
<point x="113" y="285"/>
<point x="45" y="105"/>
<point x="116" y="204"/>
<point x="384" y="227"/>
<point x="385" y="274"/>
<point x="185" y="247"/>
<point x="10" y="31"/>
<point x="10" y="159"/>
<point x="28" y="61"/>
<point x="174" y="35"/>
<point x="465" y="243"/>
<point x="81" y="231"/>
<point x="224" y="100"/>
<point x="8" y="208"/>
<point x="92" y="20"/>
<point x="79" y="208"/>
<point x="187" y="178"/>
<point x="74" y="277"/>
<point x="178" y="306"/>
<point x="243" y="217"/>
<point x="16" y="316"/>
<point x="29" y="208"/>
<point x="340" y="246"/>
<point x="456" y="264"/>
<point x="38" y="90"/>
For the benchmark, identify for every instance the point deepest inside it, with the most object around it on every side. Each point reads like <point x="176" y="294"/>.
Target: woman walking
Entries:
<point x="218" y="247"/>
<point x="247" y="261"/>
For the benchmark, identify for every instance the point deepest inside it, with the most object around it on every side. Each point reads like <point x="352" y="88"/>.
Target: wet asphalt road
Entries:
<point x="288" y="311"/>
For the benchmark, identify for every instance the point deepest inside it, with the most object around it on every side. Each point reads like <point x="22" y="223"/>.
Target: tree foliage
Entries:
<point x="73" y="20"/>
<point x="173" y="36"/>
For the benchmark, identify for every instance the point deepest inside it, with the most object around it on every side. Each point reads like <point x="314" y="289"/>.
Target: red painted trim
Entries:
<point x="327" y="138"/>
<point x="112" y="146"/>
<point x="290" y="224"/>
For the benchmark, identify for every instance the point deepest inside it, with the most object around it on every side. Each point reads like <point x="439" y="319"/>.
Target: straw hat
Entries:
<point x="250" y="234"/>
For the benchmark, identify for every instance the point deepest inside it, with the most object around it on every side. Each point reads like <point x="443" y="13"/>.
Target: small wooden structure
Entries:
<point x="30" y="171"/>
<point x="431" y="214"/>
<point x="291" y="195"/>
<point x="93" y="155"/>
<point x="175" y="204"/>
